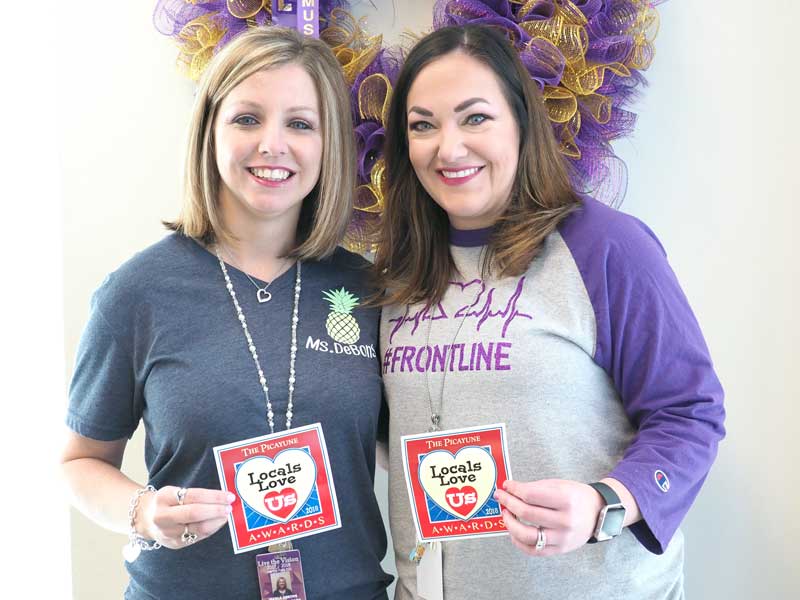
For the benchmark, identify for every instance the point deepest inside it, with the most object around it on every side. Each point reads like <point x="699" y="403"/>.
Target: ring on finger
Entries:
<point x="541" y="540"/>
<point x="181" y="495"/>
<point x="188" y="537"/>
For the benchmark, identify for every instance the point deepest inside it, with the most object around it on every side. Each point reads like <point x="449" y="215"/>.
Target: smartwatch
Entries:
<point x="612" y="515"/>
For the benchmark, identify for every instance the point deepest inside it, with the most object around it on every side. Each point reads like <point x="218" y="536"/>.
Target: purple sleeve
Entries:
<point x="650" y="344"/>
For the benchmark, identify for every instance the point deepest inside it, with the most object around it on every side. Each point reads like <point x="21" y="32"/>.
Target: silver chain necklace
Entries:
<point x="261" y="292"/>
<point x="436" y="412"/>
<point x="252" y="347"/>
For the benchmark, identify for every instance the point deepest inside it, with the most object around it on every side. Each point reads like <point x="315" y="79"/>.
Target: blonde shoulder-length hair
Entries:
<point x="326" y="210"/>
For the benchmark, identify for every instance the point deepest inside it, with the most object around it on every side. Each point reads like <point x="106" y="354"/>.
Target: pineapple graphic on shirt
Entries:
<point x="341" y="325"/>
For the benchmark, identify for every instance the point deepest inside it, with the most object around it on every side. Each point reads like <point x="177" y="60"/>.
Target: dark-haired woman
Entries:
<point x="556" y="315"/>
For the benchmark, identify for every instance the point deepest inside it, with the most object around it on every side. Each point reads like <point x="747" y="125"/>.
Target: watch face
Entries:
<point x="612" y="524"/>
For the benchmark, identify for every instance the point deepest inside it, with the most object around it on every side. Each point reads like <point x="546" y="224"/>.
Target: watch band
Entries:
<point x="607" y="492"/>
<point x="613" y="503"/>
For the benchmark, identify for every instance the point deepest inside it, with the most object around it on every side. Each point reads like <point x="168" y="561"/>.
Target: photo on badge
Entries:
<point x="280" y="575"/>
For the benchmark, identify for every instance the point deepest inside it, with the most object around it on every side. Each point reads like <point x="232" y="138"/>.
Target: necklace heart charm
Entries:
<point x="263" y="296"/>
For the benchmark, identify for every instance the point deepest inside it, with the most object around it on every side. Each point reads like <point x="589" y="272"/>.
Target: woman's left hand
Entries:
<point x="567" y="511"/>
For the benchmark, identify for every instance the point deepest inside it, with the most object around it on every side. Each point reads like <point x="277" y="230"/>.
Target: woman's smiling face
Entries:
<point x="463" y="139"/>
<point x="268" y="144"/>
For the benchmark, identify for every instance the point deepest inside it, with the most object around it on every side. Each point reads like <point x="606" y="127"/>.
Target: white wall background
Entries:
<point x="711" y="170"/>
<point x="35" y="521"/>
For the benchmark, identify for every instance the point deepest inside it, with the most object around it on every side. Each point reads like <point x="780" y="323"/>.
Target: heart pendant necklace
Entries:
<point x="262" y="293"/>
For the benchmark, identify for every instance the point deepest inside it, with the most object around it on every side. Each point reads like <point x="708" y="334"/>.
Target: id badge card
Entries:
<point x="451" y="477"/>
<point x="280" y="575"/>
<point x="283" y="485"/>
<point x="430" y="580"/>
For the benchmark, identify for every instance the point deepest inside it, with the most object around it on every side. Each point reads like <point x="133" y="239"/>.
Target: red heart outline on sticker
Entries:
<point x="472" y="467"/>
<point x="260" y="479"/>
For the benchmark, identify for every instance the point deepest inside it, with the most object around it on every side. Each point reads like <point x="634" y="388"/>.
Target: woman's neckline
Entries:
<point x="470" y="238"/>
<point x="209" y="254"/>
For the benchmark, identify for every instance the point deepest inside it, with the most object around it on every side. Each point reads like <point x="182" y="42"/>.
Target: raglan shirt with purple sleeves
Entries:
<point x="596" y="364"/>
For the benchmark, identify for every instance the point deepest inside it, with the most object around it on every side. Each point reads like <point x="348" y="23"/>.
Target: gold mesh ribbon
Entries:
<point x="196" y="43"/>
<point x="374" y="97"/>
<point x="247" y="9"/>
<point x="566" y="31"/>
<point x="644" y="30"/>
<point x="369" y="202"/>
<point x="199" y="38"/>
<point x="352" y="46"/>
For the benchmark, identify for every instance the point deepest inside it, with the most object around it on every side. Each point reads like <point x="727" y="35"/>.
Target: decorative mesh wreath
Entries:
<point x="586" y="56"/>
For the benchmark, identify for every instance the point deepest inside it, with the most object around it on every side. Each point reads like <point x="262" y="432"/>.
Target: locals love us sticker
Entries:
<point x="283" y="484"/>
<point x="277" y="488"/>
<point x="451" y="477"/>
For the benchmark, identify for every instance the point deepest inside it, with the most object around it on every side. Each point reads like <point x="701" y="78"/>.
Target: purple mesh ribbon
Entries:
<point x="171" y="16"/>
<point x="370" y="133"/>
<point x="369" y="143"/>
<point x="598" y="171"/>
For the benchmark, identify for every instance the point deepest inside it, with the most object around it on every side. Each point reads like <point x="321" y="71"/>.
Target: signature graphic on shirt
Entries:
<point x="482" y="308"/>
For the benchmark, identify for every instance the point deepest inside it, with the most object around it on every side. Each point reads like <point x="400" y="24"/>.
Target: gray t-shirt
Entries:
<point x="163" y="345"/>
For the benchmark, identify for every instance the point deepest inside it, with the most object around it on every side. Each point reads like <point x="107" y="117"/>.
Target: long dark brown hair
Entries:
<point x="413" y="261"/>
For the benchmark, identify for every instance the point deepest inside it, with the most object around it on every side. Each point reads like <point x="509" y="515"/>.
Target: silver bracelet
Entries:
<point x="136" y="543"/>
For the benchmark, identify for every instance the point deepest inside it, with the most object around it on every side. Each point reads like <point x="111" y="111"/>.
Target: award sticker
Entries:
<point x="451" y="477"/>
<point x="283" y="485"/>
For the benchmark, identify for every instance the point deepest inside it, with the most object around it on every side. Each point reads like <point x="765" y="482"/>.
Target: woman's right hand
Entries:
<point x="162" y="518"/>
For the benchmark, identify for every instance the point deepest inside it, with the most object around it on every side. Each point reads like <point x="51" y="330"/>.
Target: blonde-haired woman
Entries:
<point x="269" y="176"/>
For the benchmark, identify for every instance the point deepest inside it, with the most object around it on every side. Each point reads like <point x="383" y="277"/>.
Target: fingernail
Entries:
<point x="228" y="508"/>
<point x="496" y="495"/>
<point x="231" y="497"/>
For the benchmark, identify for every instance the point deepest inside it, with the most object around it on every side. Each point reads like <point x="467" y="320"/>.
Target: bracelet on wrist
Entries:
<point x="137" y="543"/>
